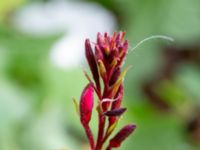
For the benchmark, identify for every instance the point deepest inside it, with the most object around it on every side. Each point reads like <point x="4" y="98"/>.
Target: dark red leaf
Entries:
<point x="115" y="112"/>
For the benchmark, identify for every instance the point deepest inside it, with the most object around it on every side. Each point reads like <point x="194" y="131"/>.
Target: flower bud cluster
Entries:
<point x="105" y="60"/>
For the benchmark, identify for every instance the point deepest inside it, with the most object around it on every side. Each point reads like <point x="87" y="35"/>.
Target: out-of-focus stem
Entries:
<point x="106" y="135"/>
<point x="90" y="136"/>
<point x="108" y="148"/>
<point x="100" y="132"/>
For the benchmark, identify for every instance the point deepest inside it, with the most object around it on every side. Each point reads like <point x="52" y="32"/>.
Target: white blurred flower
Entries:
<point x="77" y="19"/>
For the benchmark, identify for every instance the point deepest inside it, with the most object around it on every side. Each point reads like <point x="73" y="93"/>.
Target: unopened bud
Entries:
<point x="92" y="62"/>
<point x="121" y="135"/>
<point x="86" y="104"/>
<point x="102" y="69"/>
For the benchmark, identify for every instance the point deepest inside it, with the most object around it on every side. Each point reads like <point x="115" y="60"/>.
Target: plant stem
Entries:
<point x="90" y="136"/>
<point x="100" y="132"/>
<point x="108" y="148"/>
<point x="106" y="135"/>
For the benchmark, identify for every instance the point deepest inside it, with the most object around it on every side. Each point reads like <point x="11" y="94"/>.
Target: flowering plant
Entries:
<point x="105" y="63"/>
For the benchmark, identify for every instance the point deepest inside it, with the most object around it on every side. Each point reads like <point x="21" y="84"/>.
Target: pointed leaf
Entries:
<point x="115" y="112"/>
<point x="87" y="76"/>
<point x="76" y="105"/>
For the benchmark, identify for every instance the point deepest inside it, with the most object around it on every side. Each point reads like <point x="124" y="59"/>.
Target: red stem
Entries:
<point x="109" y="148"/>
<point x="106" y="135"/>
<point x="90" y="136"/>
<point x="100" y="132"/>
<point x="102" y="122"/>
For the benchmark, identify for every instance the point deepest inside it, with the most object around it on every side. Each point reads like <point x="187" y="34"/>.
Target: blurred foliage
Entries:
<point x="29" y="82"/>
<point x="7" y="7"/>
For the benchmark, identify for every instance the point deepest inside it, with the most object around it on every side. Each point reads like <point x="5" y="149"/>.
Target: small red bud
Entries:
<point x="100" y="40"/>
<point x="115" y="76"/>
<point x="112" y="43"/>
<point x="118" y="39"/>
<point x="125" y="46"/>
<point x="92" y="62"/>
<point x="86" y="104"/>
<point x="98" y="53"/>
<point x="121" y="136"/>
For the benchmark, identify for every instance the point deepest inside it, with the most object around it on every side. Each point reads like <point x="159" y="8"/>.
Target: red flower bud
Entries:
<point x="115" y="76"/>
<point x="92" y="62"/>
<point x="125" y="46"/>
<point x="120" y="38"/>
<point x="98" y="53"/>
<point x="100" y="40"/>
<point x="121" y="136"/>
<point x="86" y="104"/>
<point x="123" y="50"/>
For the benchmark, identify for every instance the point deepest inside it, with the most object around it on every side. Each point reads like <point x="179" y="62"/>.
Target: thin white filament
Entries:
<point x="109" y="100"/>
<point x="153" y="37"/>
